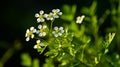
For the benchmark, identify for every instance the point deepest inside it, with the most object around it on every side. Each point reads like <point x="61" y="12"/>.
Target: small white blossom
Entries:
<point x="58" y="31"/>
<point x="38" y="45"/>
<point x="49" y="16"/>
<point x="32" y="36"/>
<point x="80" y="19"/>
<point x="40" y="16"/>
<point x="56" y="13"/>
<point x="42" y="30"/>
<point x="30" y="33"/>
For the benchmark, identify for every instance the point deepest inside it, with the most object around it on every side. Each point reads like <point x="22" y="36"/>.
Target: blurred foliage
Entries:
<point x="27" y="61"/>
<point x="9" y="52"/>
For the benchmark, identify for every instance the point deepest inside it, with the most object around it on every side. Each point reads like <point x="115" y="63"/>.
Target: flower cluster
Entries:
<point x="43" y="28"/>
<point x="41" y="16"/>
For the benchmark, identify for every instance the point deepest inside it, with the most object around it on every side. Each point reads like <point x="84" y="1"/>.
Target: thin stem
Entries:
<point x="82" y="56"/>
<point x="51" y="25"/>
<point x="6" y="56"/>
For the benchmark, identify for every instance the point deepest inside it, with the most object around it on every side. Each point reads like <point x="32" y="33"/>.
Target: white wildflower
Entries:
<point x="58" y="31"/>
<point x="56" y="13"/>
<point x="30" y="33"/>
<point x="39" y="45"/>
<point x="49" y="16"/>
<point x="42" y="30"/>
<point x="80" y="19"/>
<point x="40" y="16"/>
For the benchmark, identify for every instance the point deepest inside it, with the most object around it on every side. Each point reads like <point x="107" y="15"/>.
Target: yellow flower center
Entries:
<point x="29" y="34"/>
<point x="41" y="16"/>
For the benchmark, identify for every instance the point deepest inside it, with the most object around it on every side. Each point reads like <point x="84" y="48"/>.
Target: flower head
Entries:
<point x="29" y="33"/>
<point x="80" y="19"/>
<point x="56" y="13"/>
<point x="42" y="30"/>
<point x="40" y="16"/>
<point x="39" y="45"/>
<point x="58" y="31"/>
<point x="49" y="16"/>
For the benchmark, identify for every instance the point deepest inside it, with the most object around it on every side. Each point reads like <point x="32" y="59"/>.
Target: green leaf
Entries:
<point x="26" y="60"/>
<point x="48" y="63"/>
<point x="68" y="12"/>
<point x="73" y="26"/>
<point x="36" y="63"/>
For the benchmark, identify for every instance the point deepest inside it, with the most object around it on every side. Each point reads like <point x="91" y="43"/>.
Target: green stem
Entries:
<point x="6" y="56"/>
<point x="51" y="25"/>
<point x="82" y="56"/>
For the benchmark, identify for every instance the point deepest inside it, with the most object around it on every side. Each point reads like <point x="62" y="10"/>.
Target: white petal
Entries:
<point x="51" y="18"/>
<point x="42" y="20"/>
<point x="58" y="10"/>
<point x="37" y="31"/>
<point x="60" y="13"/>
<point x="34" y="30"/>
<point x="55" y="28"/>
<point x="80" y="21"/>
<point x="48" y="18"/>
<point x="35" y="47"/>
<point x="37" y="15"/>
<point x="27" y="31"/>
<point x="38" y="19"/>
<point x="45" y="15"/>
<point x="62" y="31"/>
<point x="27" y="39"/>
<point x="56" y="16"/>
<point x="53" y="10"/>
<point x="41" y="12"/>
<point x="44" y="26"/>
<point x="26" y="35"/>
<point x="83" y="16"/>
<point x="31" y="28"/>
<point x="38" y="41"/>
<point x="56" y="35"/>
<point x="44" y="33"/>
<point x="32" y="36"/>
<point x="40" y="34"/>
<point x="50" y="13"/>
<point x="61" y="28"/>
<point x="40" y="26"/>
